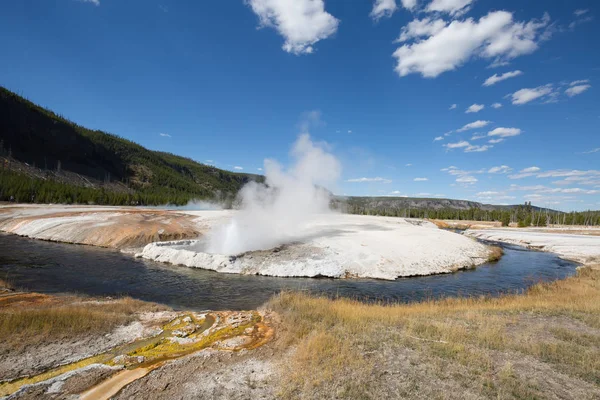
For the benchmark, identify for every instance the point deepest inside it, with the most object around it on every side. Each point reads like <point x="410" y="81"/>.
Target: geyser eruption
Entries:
<point x="275" y="212"/>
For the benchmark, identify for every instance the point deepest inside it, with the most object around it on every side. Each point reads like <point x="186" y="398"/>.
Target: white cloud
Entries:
<point x="492" y="80"/>
<point x="488" y="193"/>
<point x="418" y="28"/>
<point x="438" y="138"/>
<point x="383" y="8"/>
<point x="477" y="149"/>
<point x="94" y="2"/>
<point x="452" y="107"/>
<point x="468" y="147"/>
<point x="579" y="82"/>
<point x="408" y="165"/>
<point x="209" y="161"/>
<point x="238" y="168"/>
<point x="503" y="169"/>
<point x="474" y="125"/>
<point x="259" y="169"/>
<point x="505" y="132"/>
<point x="592" y="151"/>
<point x="165" y="135"/>
<point x="475" y="108"/>
<point x="452" y="7"/>
<point x="530" y="169"/>
<point x="477" y="137"/>
<point x="580" y="12"/>
<point x="364" y="180"/>
<point x="496" y="105"/>
<point x="466" y="179"/>
<point x="495" y="141"/>
<point x="302" y="23"/>
<point x="349" y="131"/>
<point x="494" y="36"/>
<point x="420" y="179"/>
<point x="545" y="189"/>
<point x="529" y="94"/>
<point x="457" y="145"/>
<point x="575" y="90"/>
<point x="409" y="4"/>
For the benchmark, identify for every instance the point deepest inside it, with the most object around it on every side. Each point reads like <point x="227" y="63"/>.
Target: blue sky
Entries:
<point x="232" y="82"/>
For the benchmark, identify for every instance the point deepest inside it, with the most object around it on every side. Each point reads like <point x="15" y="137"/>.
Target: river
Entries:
<point x="59" y="268"/>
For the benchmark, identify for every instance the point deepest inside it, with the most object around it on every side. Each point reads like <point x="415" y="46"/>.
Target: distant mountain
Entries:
<point x="379" y="204"/>
<point x="45" y="146"/>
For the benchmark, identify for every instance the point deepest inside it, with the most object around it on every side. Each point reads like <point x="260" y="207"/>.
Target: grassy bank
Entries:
<point x="544" y="344"/>
<point x="30" y="318"/>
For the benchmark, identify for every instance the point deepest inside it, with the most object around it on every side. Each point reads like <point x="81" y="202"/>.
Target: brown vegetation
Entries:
<point x="544" y="344"/>
<point x="29" y="318"/>
<point x="496" y="253"/>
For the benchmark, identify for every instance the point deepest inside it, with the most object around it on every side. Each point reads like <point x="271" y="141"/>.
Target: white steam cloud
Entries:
<point x="274" y="213"/>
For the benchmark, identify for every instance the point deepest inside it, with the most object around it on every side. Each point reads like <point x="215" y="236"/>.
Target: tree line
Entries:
<point x="523" y="215"/>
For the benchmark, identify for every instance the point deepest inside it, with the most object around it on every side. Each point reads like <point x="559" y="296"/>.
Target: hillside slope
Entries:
<point x="50" y="147"/>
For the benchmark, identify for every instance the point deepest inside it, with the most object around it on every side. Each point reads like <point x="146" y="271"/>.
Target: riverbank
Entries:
<point x="570" y="244"/>
<point x="114" y="227"/>
<point x="542" y="344"/>
<point x="65" y="345"/>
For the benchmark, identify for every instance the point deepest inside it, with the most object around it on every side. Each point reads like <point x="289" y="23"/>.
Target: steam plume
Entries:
<point x="274" y="213"/>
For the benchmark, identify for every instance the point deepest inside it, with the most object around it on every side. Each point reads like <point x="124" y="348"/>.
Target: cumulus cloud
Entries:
<point x="409" y="4"/>
<point x="575" y="90"/>
<point x="364" y="180"/>
<point x="238" y="168"/>
<point x="452" y="107"/>
<point x="420" y="27"/>
<point x="383" y="8"/>
<point x="496" y="105"/>
<point x="477" y="136"/>
<point x="474" y="125"/>
<point x="452" y="7"/>
<point x="492" y="80"/>
<point x="302" y="23"/>
<point x="495" y="141"/>
<point x="505" y="132"/>
<point x="530" y="169"/>
<point x="94" y="2"/>
<point x="438" y="138"/>
<point x="526" y="95"/>
<point x="475" y="108"/>
<point x="502" y="169"/>
<point x="420" y="179"/>
<point x="438" y="49"/>
<point x="165" y="135"/>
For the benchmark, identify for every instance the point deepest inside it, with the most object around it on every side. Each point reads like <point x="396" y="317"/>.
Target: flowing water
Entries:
<point x="57" y="268"/>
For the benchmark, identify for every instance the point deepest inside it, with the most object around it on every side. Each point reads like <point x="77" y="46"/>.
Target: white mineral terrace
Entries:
<point x="338" y="246"/>
<point x="584" y="249"/>
<point x="331" y="245"/>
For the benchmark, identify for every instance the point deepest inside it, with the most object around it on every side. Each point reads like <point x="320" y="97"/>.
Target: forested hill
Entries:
<point x="61" y="161"/>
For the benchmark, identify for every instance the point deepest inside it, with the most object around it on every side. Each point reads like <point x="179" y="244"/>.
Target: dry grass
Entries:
<point x="496" y="253"/>
<point x="490" y="347"/>
<point x="30" y="318"/>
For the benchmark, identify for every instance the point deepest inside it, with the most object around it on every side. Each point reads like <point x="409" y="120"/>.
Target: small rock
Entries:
<point x="187" y="319"/>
